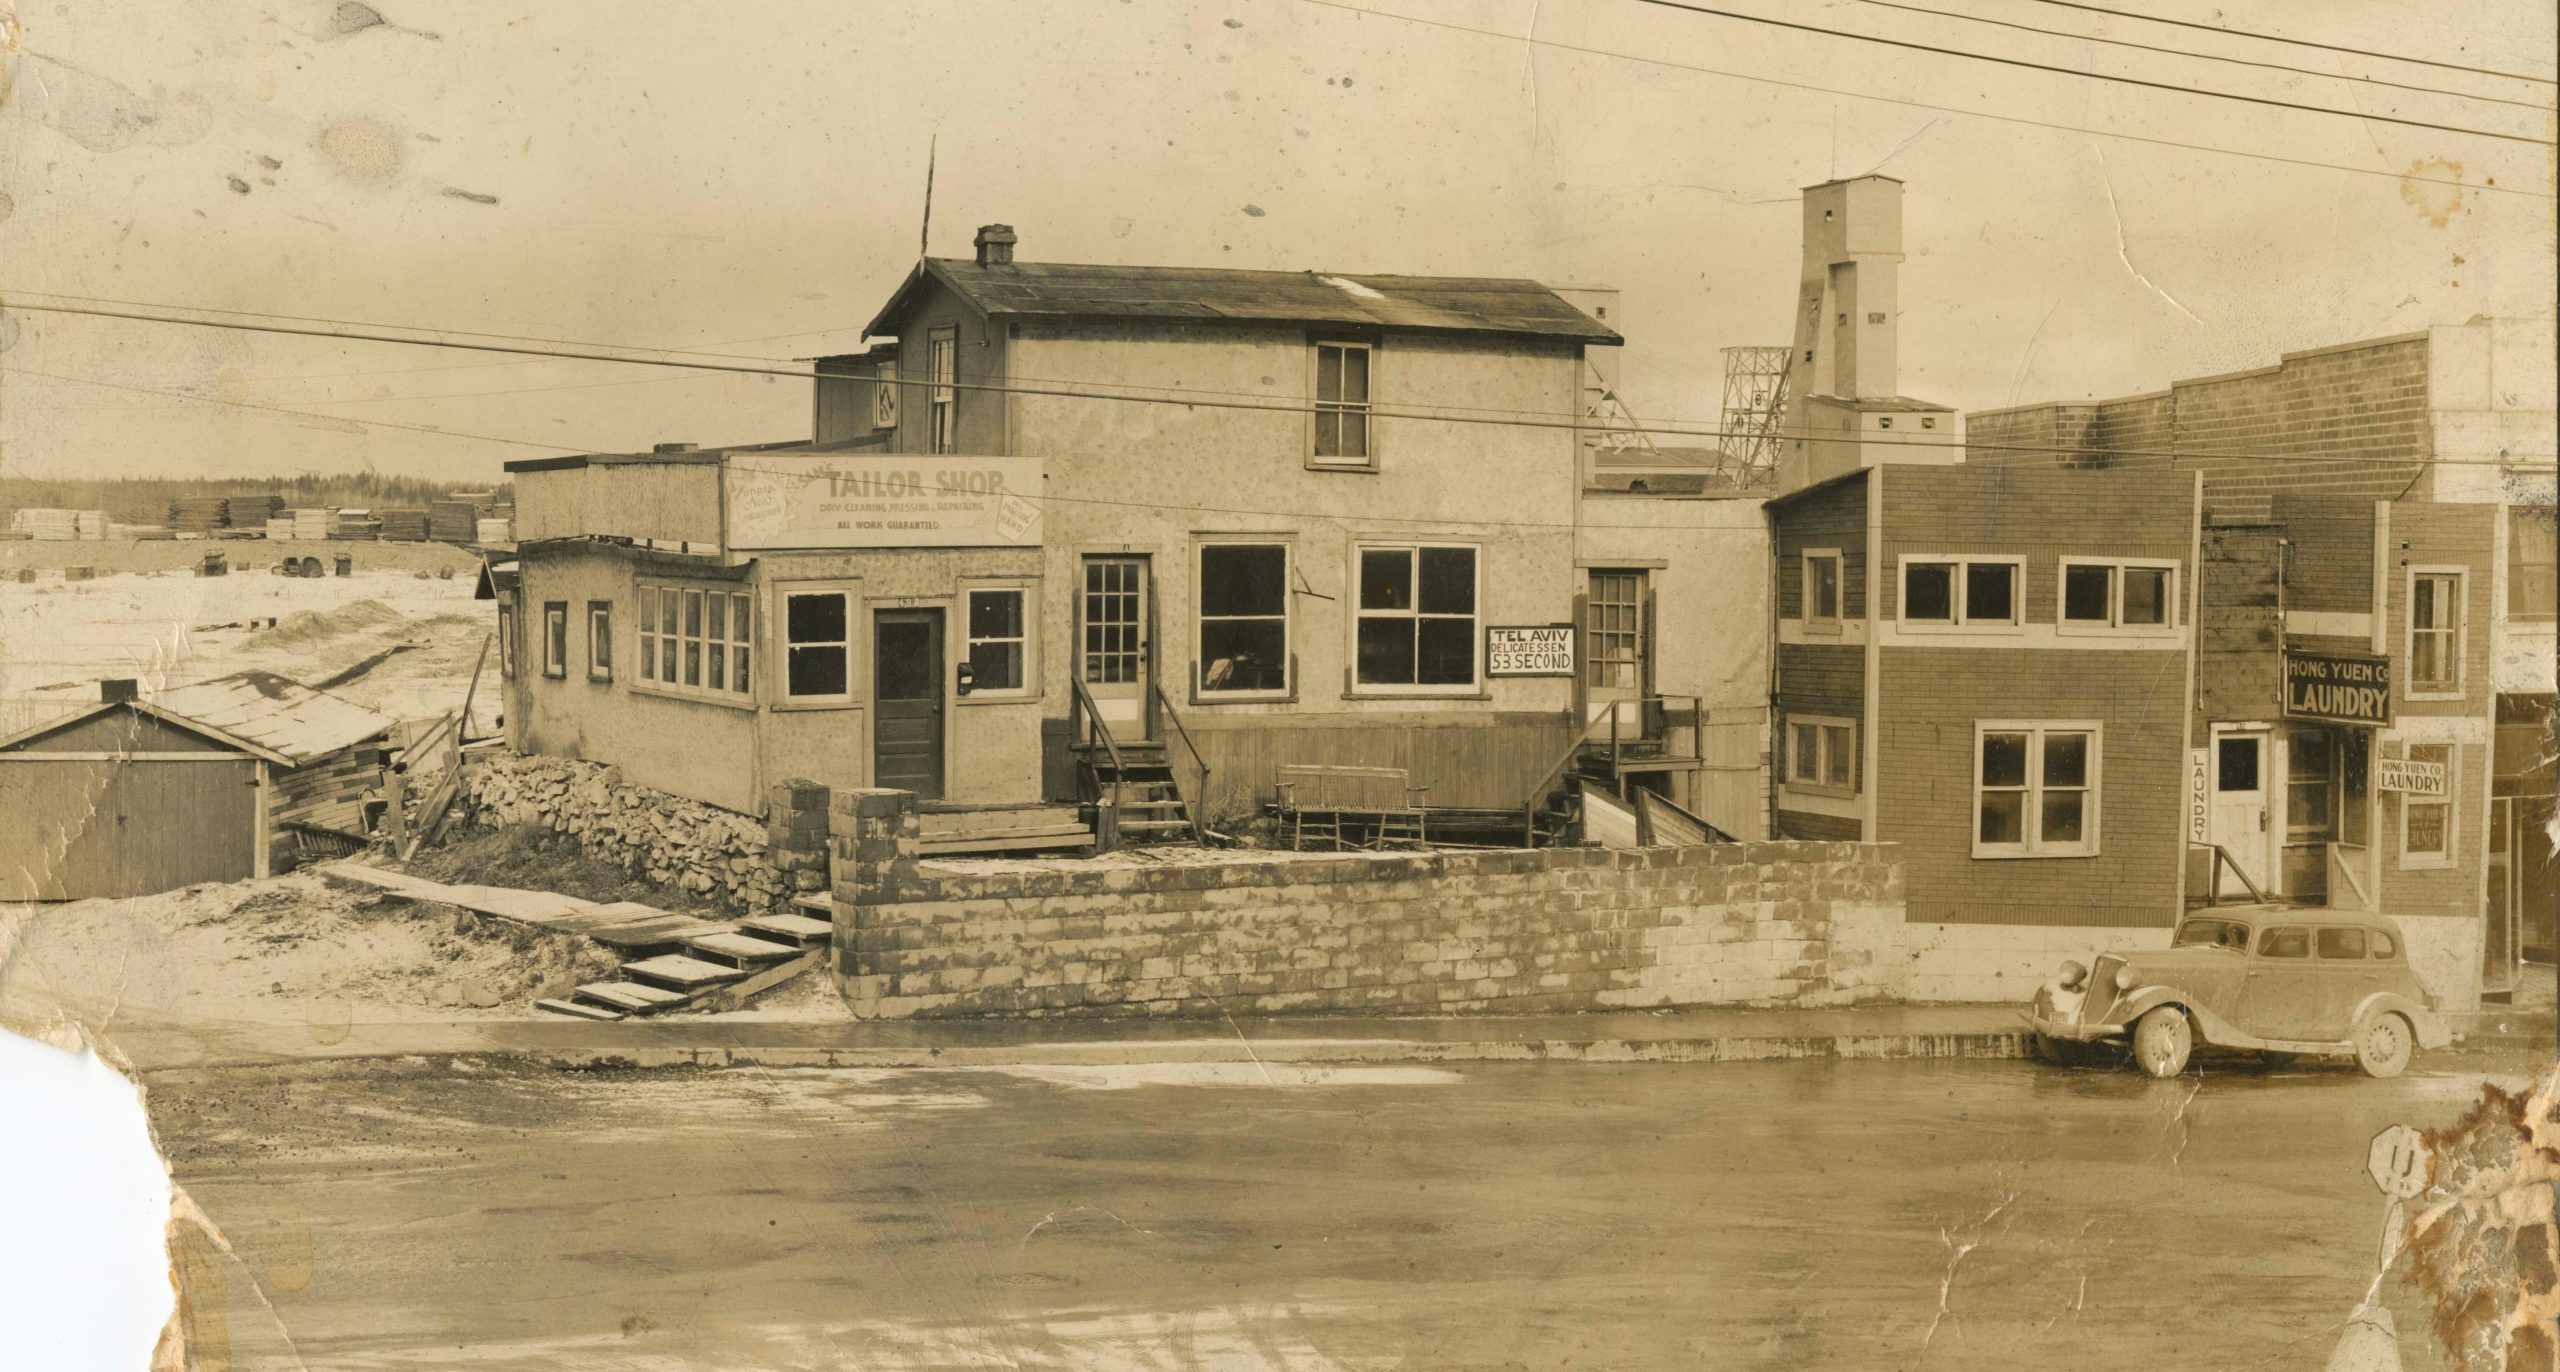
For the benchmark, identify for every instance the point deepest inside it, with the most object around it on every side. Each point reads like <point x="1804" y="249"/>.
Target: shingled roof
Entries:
<point x="1433" y="304"/>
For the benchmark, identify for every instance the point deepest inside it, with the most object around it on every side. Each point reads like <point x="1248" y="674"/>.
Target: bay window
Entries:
<point x="2035" y="790"/>
<point x="696" y="640"/>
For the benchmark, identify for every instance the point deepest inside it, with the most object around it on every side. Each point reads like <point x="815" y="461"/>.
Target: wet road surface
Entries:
<point x="1776" y="1215"/>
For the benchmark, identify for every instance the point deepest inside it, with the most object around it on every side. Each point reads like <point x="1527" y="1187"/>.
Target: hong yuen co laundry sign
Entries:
<point x="2340" y="690"/>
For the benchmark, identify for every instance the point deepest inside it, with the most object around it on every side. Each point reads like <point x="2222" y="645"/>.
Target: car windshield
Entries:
<point x="2212" y="933"/>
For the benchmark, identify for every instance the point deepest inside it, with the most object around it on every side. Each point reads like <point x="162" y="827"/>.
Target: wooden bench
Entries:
<point x="1320" y="798"/>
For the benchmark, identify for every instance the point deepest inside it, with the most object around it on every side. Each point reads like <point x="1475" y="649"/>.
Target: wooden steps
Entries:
<point x="746" y="951"/>
<point x="681" y="972"/>
<point x="958" y="830"/>
<point x="577" y="1009"/>
<point x="631" y="997"/>
<point x="799" y="931"/>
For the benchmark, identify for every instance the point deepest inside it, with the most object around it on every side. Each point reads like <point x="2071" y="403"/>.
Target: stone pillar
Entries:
<point x="874" y="842"/>
<point x="795" y="831"/>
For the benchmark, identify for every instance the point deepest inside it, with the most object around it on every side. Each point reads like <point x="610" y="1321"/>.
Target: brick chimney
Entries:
<point x="116" y="690"/>
<point x="995" y="245"/>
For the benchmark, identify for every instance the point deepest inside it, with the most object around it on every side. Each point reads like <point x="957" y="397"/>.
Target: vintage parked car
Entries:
<point x="2334" y="983"/>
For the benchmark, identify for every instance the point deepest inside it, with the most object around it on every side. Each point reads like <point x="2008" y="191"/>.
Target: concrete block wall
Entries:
<point x="1505" y="932"/>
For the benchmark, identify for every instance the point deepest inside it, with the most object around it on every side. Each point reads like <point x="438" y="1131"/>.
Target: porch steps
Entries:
<point x="747" y="952"/>
<point x="630" y="997"/>
<point x="577" y="1009"/>
<point x="798" y="931"/>
<point x="705" y="960"/>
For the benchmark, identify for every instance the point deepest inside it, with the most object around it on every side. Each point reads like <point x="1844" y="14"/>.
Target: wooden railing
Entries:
<point x="1647" y="708"/>
<point x="2213" y="874"/>
<point x="1083" y="716"/>
<point x="1191" y="807"/>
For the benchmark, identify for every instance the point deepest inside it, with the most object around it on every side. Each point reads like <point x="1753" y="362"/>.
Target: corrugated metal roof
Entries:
<point x="1445" y="304"/>
<point x="273" y="712"/>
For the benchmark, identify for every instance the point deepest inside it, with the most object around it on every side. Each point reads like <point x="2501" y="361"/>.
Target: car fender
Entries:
<point x="2432" y="1031"/>
<point x="2209" y="1027"/>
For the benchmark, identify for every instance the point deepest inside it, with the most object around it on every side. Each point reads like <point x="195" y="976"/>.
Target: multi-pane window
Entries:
<point x="942" y="360"/>
<point x="2426" y="822"/>
<point x="1244" y="618"/>
<point x="599" y="640"/>
<point x="2036" y="790"/>
<point x="2435" y="631"/>
<point x="1112" y="620"/>
<point x="1822" y="754"/>
<point x="998" y="643"/>
<point x="1821" y="588"/>
<point x="1613" y="630"/>
<point x="1417" y="617"/>
<point x="555" y="638"/>
<point x="696" y="640"/>
<point x="1946" y="592"/>
<point x="2117" y="595"/>
<point x="1342" y="404"/>
<point x="817" y="645"/>
<point x="2533" y="562"/>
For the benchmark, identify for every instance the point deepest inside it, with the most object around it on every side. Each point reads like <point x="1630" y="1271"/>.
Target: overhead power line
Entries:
<point x="2087" y="75"/>
<point x="2409" y="178"/>
<point x="2299" y="42"/>
<point x="2202" y="56"/>
<point x="278" y="409"/>
<point x="1191" y="398"/>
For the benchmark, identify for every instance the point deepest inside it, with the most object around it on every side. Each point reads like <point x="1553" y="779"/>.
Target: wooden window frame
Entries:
<point x="1824" y="727"/>
<point x="2533" y="526"/>
<point x="1366" y="407"/>
<point x="1028" y="593"/>
<point x="1805" y="610"/>
<point x="850" y="594"/>
<point x="1593" y="635"/>
<point x="654" y="646"/>
<point x="510" y="626"/>
<point x="2114" y="625"/>
<point x="2031" y="843"/>
<point x="2457" y="635"/>
<point x="1475" y="684"/>
<point x="1958" y="592"/>
<point x="2430" y="860"/>
<point x="1201" y="691"/>
<point x="600" y="641"/>
<point x="942" y="398"/>
<point x="555" y="640"/>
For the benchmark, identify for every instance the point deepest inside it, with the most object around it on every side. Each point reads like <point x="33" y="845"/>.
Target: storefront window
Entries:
<point x="2035" y="791"/>
<point x="1417" y="617"/>
<point x="2426" y="821"/>
<point x="1244" y="618"/>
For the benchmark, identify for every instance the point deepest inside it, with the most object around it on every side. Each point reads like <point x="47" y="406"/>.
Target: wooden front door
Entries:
<point x="1116" y="653"/>
<point x="2241" y="803"/>
<point x="1617" y="648"/>
<point x="907" y="699"/>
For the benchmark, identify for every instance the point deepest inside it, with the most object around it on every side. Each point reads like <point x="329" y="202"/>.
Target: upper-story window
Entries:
<point x="884" y="396"/>
<point x="2533" y="563"/>
<point x="1949" y="592"/>
<point x="2126" y="594"/>
<point x="2435" y="631"/>
<point x="1342" y="405"/>
<point x="942" y="361"/>
<point x="1821" y="593"/>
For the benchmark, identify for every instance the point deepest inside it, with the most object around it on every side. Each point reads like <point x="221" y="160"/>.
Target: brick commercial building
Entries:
<point x="2375" y="651"/>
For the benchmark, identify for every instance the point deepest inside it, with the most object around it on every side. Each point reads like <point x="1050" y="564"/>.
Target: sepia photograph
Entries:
<point x="1279" y="685"/>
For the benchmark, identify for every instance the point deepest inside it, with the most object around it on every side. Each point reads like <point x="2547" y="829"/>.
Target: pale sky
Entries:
<point x="749" y="176"/>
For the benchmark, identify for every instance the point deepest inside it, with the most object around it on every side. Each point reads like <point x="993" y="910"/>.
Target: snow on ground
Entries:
<point x="59" y="638"/>
<point x="281" y="949"/>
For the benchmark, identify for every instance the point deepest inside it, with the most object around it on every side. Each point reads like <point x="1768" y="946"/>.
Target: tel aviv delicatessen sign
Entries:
<point x="882" y="500"/>
<point x="2340" y="690"/>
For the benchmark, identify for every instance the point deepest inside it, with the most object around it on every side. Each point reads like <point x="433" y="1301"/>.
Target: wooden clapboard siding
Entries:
<point x="328" y="791"/>
<point x="1483" y="761"/>
<point x="72" y="828"/>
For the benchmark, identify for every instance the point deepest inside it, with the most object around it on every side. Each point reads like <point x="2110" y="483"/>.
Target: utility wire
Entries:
<point x="2086" y="75"/>
<point x="278" y="409"/>
<point x="2299" y="42"/>
<point x="2203" y="56"/>
<point x="1197" y="399"/>
<point x="2406" y="179"/>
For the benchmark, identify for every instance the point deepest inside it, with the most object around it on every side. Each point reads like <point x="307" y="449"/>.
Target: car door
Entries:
<point x="2281" y="998"/>
<point x="2343" y="963"/>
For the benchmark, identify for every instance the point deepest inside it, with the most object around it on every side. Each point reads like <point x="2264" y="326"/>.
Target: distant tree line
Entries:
<point x="145" y="500"/>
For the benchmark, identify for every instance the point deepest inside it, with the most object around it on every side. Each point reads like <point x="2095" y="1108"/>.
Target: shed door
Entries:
<point x="73" y="828"/>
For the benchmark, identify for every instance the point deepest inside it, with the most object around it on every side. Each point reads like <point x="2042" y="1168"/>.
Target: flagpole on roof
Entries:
<point x="924" y="237"/>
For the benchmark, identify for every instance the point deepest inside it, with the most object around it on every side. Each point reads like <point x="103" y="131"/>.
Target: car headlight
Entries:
<point x="2126" y="980"/>
<point x="2070" y="976"/>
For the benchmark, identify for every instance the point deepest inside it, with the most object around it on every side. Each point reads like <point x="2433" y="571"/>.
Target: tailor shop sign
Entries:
<point x="2337" y="690"/>
<point x="882" y="500"/>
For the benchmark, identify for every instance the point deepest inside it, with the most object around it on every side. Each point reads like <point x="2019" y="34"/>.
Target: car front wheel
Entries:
<point x="2383" y="1045"/>
<point x="2162" y="1041"/>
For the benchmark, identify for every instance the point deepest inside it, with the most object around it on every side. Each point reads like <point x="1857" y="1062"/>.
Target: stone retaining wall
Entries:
<point x="1795" y="924"/>
<point x="749" y="865"/>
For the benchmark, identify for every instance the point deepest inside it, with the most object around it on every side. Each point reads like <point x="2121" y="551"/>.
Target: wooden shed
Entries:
<point x="204" y="783"/>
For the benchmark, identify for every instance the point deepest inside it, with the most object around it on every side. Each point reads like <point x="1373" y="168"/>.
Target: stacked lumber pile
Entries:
<point x="495" y="531"/>
<point x="253" y="511"/>
<point x="313" y="522"/>
<point x="59" y="526"/>
<point x="452" y="521"/>
<point x="404" y="526"/>
<point x="199" y="514"/>
<point x="358" y="526"/>
<point x="279" y="529"/>
<point x="671" y="840"/>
